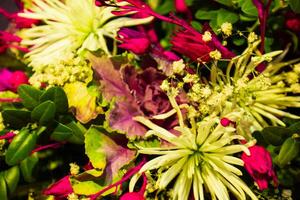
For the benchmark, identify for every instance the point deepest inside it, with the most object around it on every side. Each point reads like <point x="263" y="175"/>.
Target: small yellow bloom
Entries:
<point x="226" y="28"/>
<point x="178" y="67"/>
<point x="206" y="37"/>
<point x="74" y="169"/>
<point x="73" y="196"/>
<point x="252" y="37"/>
<point x="216" y="55"/>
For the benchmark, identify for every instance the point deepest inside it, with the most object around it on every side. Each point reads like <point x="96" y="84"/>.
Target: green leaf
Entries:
<point x="3" y="189"/>
<point x="20" y="147"/>
<point x="61" y="133"/>
<point x="225" y="2"/>
<point x="165" y="8"/>
<point x="206" y="14"/>
<point x="27" y="165"/>
<point x="16" y="118"/>
<point x="249" y="8"/>
<point x="288" y="152"/>
<point x="295" y="5"/>
<point x="58" y="96"/>
<point x="295" y="128"/>
<point x="197" y="25"/>
<point x="226" y="16"/>
<point x="78" y="132"/>
<point x="30" y="96"/>
<point x="276" y="135"/>
<point x="239" y="41"/>
<point x="247" y="18"/>
<point x="44" y="112"/>
<point x="94" y="148"/>
<point x="12" y="177"/>
<point x="85" y="187"/>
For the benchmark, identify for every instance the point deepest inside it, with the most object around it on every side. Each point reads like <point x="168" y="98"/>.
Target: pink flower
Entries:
<point x="136" y="195"/>
<point x="181" y="6"/>
<point x="7" y="40"/>
<point x="133" y="196"/>
<point x="190" y="44"/>
<point x="60" y="189"/>
<point x="292" y="21"/>
<point x="11" y="80"/>
<point x="259" y="166"/>
<point x="20" y="22"/>
<point x="133" y="40"/>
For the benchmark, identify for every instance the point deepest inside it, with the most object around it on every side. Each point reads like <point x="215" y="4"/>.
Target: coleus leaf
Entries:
<point x="121" y="118"/>
<point x="103" y="152"/>
<point x="113" y="87"/>
<point x="84" y="101"/>
<point x="110" y="77"/>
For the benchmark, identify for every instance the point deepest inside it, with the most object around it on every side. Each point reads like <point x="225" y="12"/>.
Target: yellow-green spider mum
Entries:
<point x="200" y="159"/>
<point x="261" y="96"/>
<point x="69" y="27"/>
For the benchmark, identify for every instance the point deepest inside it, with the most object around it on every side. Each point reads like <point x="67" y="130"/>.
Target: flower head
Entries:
<point x="200" y="159"/>
<point x="197" y="46"/>
<point x="60" y="189"/>
<point x="65" y="31"/>
<point x="133" y="40"/>
<point x="226" y="28"/>
<point x="11" y="80"/>
<point x="262" y="97"/>
<point x="181" y="6"/>
<point x="259" y="165"/>
<point x="8" y="40"/>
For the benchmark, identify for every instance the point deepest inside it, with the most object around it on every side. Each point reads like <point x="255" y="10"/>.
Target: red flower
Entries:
<point x="12" y="80"/>
<point x="259" y="166"/>
<point x="136" y="195"/>
<point x="191" y="44"/>
<point x="181" y="6"/>
<point x="60" y="189"/>
<point x="133" y="40"/>
<point x="20" y="22"/>
<point x="292" y="21"/>
<point x="6" y="41"/>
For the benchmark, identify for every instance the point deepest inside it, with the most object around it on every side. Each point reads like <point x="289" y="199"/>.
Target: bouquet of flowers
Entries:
<point x="157" y="99"/>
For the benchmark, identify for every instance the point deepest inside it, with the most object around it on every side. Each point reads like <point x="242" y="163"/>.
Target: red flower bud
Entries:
<point x="259" y="166"/>
<point x="132" y="196"/>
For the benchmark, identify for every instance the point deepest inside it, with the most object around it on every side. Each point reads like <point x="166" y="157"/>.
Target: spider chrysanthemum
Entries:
<point x="262" y="96"/>
<point x="69" y="27"/>
<point x="199" y="161"/>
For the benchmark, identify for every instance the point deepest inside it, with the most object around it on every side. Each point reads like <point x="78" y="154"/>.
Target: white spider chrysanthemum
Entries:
<point x="200" y="159"/>
<point x="262" y="97"/>
<point x="69" y="28"/>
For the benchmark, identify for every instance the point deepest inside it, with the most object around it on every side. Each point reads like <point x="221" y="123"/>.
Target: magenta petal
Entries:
<point x="60" y="188"/>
